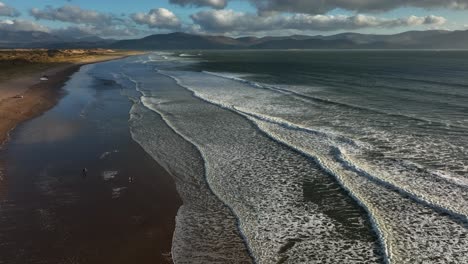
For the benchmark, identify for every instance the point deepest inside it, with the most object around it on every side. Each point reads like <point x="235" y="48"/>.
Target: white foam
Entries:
<point x="267" y="198"/>
<point x="109" y="175"/>
<point x="423" y="188"/>
<point x="205" y="228"/>
<point x="236" y="99"/>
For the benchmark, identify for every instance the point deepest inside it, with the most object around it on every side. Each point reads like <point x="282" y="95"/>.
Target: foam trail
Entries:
<point x="270" y="215"/>
<point x="356" y="181"/>
<point x="378" y="226"/>
<point x="362" y="188"/>
<point x="453" y="208"/>
<point x="288" y="90"/>
<point x="424" y="187"/>
<point x="197" y="238"/>
<point x="205" y="228"/>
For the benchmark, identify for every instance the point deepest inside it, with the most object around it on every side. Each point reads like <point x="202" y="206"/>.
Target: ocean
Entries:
<point x="307" y="156"/>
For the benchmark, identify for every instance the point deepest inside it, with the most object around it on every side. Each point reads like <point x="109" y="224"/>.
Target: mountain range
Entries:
<point x="39" y="39"/>
<point x="431" y="39"/>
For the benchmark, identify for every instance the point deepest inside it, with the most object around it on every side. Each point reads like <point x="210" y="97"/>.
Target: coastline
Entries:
<point x="121" y="211"/>
<point x="36" y="97"/>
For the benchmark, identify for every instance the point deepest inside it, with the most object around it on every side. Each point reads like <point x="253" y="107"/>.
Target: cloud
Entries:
<point x="15" y="25"/>
<point x="73" y="14"/>
<point x="87" y="30"/>
<point x="157" y="18"/>
<point x="427" y="20"/>
<point x="232" y="22"/>
<point x="21" y="25"/>
<point x="86" y="22"/>
<point x="218" y="4"/>
<point x="323" y="6"/>
<point x="8" y="11"/>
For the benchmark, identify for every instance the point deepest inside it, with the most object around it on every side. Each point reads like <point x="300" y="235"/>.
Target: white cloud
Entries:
<point x="232" y="22"/>
<point x="15" y="25"/>
<point x="8" y="11"/>
<point x="21" y="25"/>
<point x="431" y="20"/>
<point x="270" y="20"/>
<point x="74" y="14"/>
<point x="157" y="18"/>
<point x="87" y="22"/>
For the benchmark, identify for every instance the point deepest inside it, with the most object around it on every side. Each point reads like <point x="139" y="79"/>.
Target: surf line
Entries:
<point x="377" y="225"/>
<point x="238" y="222"/>
<point x="326" y="101"/>
<point x="417" y="197"/>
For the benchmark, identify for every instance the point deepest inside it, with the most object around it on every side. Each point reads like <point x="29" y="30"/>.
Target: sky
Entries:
<point x="138" y="18"/>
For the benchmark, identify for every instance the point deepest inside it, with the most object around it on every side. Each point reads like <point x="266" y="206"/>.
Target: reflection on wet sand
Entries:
<point x="50" y="131"/>
<point x="50" y="213"/>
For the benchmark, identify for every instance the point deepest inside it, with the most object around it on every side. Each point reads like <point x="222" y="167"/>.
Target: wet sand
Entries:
<point x="121" y="211"/>
<point x="22" y="98"/>
<point x="35" y="97"/>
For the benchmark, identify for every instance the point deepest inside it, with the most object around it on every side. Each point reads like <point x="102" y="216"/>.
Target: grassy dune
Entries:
<point x="21" y="62"/>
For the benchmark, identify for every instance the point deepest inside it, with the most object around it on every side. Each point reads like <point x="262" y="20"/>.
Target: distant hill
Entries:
<point x="178" y="41"/>
<point x="38" y="39"/>
<point x="24" y="38"/>
<point x="431" y="39"/>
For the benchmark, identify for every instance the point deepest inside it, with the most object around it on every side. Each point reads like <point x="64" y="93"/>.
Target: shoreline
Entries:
<point x="122" y="210"/>
<point x="36" y="99"/>
<point x="26" y="97"/>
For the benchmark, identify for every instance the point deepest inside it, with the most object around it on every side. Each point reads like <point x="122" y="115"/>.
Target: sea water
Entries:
<point x="309" y="156"/>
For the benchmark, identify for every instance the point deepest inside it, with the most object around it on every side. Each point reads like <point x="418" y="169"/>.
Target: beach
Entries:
<point x="75" y="187"/>
<point x="239" y="157"/>
<point x="24" y="96"/>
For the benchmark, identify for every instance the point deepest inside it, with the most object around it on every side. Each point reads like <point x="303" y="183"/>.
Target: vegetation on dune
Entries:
<point x="22" y="56"/>
<point x="20" y="62"/>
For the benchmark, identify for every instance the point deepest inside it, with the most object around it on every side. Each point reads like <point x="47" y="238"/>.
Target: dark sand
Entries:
<point x="52" y="213"/>
<point x="37" y="97"/>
